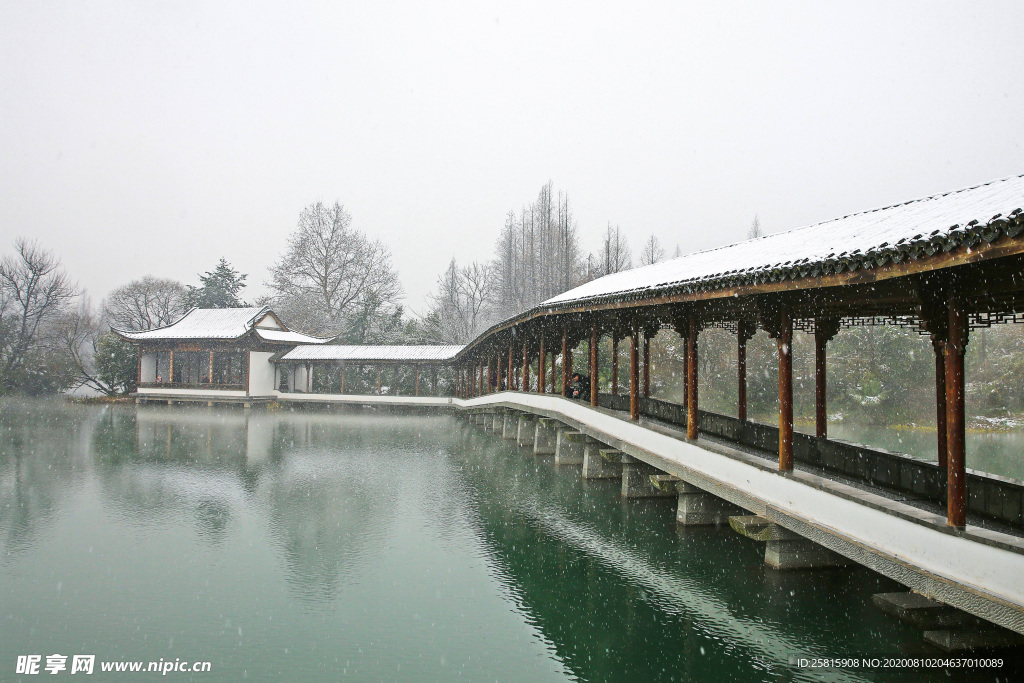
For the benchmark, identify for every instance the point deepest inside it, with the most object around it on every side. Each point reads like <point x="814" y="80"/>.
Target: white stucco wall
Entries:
<point x="261" y="374"/>
<point x="298" y="377"/>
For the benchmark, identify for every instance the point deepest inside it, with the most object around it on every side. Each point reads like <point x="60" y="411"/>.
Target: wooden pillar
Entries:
<point x="593" y="363"/>
<point x="956" y="461"/>
<point x="692" y="416"/>
<point x="210" y="376"/>
<point x="343" y="378"/>
<point x="824" y="330"/>
<point x="554" y="358"/>
<point x="785" y="343"/>
<point x="744" y="331"/>
<point x="480" y="387"/>
<point x="647" y="364"/>
<point x="170" y="367"/>
<point x="511" y="374"/>
<point x="566" y="361"/>
<point x="526" y="369"/>
<point x="309" y="377"/>
<point x="542" y="363"/>
<point x="939" y="346"/>
<point x="378" y="381"/>
<point x="615" y="363"/>
<point x="634" y="373"/>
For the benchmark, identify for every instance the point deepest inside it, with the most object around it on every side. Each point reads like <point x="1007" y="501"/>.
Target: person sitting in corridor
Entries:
<point x="580" y="387"/>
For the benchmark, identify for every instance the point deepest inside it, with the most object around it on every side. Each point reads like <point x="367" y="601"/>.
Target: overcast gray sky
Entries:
<point x="144" y="138"/>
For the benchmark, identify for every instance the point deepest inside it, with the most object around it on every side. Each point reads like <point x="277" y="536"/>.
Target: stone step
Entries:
<point x="611" y="455"/>
<point x="967" y="639"/>
<point x="923" y="612"/>
<point x="758" y="528"/>
<point x="665" y="482"/>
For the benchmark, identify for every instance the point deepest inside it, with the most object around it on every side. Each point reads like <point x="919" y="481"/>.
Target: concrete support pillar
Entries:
<point x="524" y="430"/>
<point x="783" y="548"/>
<point x="785" y="343"/>
<point x="956" y="463"/>
<point x="497" y="421"/>
<point x="601" y="462"/>
<point x="636" y="480"/>
<point x="510" y="425"/>
<point x="634" y="374"/>
<point x="544" y="436"/>
<point x="593" y="363"/>
<point x="692" y="416"/>
<point x="699" y="508"/>
<point x="569" y="447"/>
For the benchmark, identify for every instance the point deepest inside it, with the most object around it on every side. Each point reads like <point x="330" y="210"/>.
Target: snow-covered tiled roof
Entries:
<point x="218" y="323"/>
<point x="288" y="337"/>
<point x="371" y="353"/>
<point x="859" y="241"/>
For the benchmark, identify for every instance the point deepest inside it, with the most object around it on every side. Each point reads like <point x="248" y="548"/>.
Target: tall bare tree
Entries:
<point x="755" y="230"/>
<point x="614" y="255"/>
<point x="652" y="252"/>
<point x="35" y="292"/>
<point x="145" y="303"/>
<point x="538" y="254"/>
<point x="462" y="306"/>
<point x="331" y="276"/>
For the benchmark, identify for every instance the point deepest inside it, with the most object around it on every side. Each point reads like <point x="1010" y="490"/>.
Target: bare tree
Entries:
<point x="331" y="275"/>
<point x="145" y="304"/>
<point x="461" y="308"/>
<point x="614" y="255"/>
<point x="35" y="292"/>
<point x="755" y="230"/>
<point x="538" y="254"/>
<point x="652" y="252"/>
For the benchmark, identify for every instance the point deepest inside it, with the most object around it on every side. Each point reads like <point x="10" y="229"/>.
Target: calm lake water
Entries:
<point x="307" y="546"/>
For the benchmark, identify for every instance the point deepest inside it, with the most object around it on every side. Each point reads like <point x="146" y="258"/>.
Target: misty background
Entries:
<point x="141" y="138"/>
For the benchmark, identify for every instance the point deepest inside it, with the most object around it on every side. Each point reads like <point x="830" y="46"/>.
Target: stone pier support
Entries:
<point x="497" y="421"/>
<point x="784" y="549"/>
<point x="636" y="480"/>
<point x="544" y="436"/>
<point x="699" y="508"/>
<point x="524" y="430"/>
<point x="601" y="462"/>
<point x="510" y="425"/>
<point x="569" y="447"/>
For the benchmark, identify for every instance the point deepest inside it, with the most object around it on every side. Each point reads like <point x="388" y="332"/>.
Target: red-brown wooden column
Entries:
<point x="824" y="330"/>
<point x="692" y="416"/>
<point x="417" y="391"/>
<point x="497" y="372"/>
<point x="939" y="346"/>
<point x="744" y="331"/>
<point x="615" y="363"/>
<point x="566" y="361"/>
<point x="511" y="370"/>
<point x="542" y="363"/>
<point x="593" y="363"/>
<point x="634" y="372"/>
<point x="554" y="359"/>
<point x="956" y="461"/>
<point x="647" y="363"/>
<point x="526" y="369"/>
<point x="785" y="344"/>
